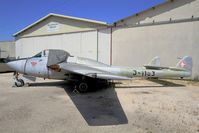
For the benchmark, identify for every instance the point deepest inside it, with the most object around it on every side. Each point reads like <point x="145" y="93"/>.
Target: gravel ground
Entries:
<point x="147" y="106"/>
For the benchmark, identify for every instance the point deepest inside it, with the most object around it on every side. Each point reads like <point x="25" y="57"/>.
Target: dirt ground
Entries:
<point x="140" y="106"/>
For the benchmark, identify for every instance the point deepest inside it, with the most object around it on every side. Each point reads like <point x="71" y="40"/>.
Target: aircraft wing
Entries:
<point x="90" y="71"/>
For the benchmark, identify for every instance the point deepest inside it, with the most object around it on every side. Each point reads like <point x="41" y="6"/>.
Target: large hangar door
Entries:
<point x="24" y="47"/>
<point x="104" y="40"/>
<point x="83" y="44"/>
<point x="18" y="45"/>
<point x="27" y="47"/>
<point x="71" y="43"/>
<point x="47" y="42"/>
<point x="89" y="45"/>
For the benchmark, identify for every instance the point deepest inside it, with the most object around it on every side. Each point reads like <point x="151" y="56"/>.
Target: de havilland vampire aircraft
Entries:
<point x="59" y="64"/>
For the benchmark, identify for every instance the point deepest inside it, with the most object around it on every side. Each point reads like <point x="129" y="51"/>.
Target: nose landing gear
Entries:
<point x="18" y="82"/>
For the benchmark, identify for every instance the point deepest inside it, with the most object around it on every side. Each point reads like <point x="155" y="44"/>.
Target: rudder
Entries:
<point x="185" y="63"/>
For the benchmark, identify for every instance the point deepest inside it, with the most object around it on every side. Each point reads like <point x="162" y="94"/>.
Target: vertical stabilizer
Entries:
<point x="185" y="63"/>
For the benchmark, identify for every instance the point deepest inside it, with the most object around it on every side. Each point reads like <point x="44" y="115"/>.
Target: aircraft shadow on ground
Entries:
<point x="100" y="107"/>
<point x="165" y="83"/>
<point x="161" y="83"/>
<point x="46" y="84"/>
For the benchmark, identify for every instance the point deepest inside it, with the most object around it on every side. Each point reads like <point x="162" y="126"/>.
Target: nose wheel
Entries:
<point x="18" y="82"/>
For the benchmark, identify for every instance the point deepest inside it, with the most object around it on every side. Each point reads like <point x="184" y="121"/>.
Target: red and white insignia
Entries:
<point x="33" y="63"/>
<point x="182" y="64"/>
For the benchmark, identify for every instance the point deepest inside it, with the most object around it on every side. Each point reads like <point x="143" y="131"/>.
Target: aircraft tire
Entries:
<point x="83" y="87"/>
<point x="19" y="83"/>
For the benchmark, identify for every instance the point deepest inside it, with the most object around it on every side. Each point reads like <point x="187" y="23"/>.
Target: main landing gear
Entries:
<point x="89" y="84"/>
<point x="18" y="82"/>
<point x="83" y="87"/>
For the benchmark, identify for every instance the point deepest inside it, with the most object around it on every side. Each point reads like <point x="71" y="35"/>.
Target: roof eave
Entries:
<point x="135" y="14"/>
<point x="62" y="16"/>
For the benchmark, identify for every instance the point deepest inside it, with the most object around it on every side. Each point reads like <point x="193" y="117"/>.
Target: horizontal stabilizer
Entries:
<point x="154" y="62"/>
<point x="185" y="64"/>
<point x="156" y="67"/>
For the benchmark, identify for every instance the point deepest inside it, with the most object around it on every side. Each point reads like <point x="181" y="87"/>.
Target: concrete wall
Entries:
<point x="169" y="31"/>
<point x="7" y="49"/>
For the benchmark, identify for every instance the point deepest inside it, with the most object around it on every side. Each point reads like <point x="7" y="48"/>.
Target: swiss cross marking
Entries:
<point x="182" y="64"/>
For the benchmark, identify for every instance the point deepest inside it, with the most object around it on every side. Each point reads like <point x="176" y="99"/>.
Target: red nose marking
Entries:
<point x="34" y="63"/>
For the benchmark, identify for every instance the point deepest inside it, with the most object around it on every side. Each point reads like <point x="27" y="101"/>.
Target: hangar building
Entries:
<point x="78" y="36"/>
<point x="7" y="49"/>
<point x="169" y="30"/>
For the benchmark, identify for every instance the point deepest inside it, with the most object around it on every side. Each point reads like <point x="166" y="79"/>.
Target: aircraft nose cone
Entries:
<point x="17" y="66"/>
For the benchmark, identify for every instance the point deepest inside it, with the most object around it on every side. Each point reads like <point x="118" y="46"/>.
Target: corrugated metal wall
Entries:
<point x="7" y="48"/>
<point x="80" y="44"/>
<point x="169" y="31"/>
<point x="91" y="44"/>
<point x="104" y="47"/>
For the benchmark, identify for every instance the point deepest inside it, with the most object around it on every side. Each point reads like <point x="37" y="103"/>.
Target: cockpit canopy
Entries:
<point x="55" y="56"/>
<point x="43" y="53"/>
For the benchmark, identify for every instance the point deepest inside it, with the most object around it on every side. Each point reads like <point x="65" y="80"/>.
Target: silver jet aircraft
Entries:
<point x="59" y="64"/>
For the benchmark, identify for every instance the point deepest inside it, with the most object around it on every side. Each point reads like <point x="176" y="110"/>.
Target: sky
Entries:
<point x="17" y="14"/>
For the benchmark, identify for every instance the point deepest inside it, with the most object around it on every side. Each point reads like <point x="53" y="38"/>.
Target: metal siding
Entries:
<point x="72" y="43"/>
<point x="18" y="48"/>
<point x="26" y="50"/>
<point x="89" y="45"/>
<point x="47" y="42"/>
<point x="170" y="11"/>
<point x="169" y="31"/>
<point x="137" y="46"/>
<point x="41" y="43"/>
<point x="82" y="44"/>
<point x="65" y="26"/>
<point x="7" y="48"/>
<point x="104" y="46"/>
